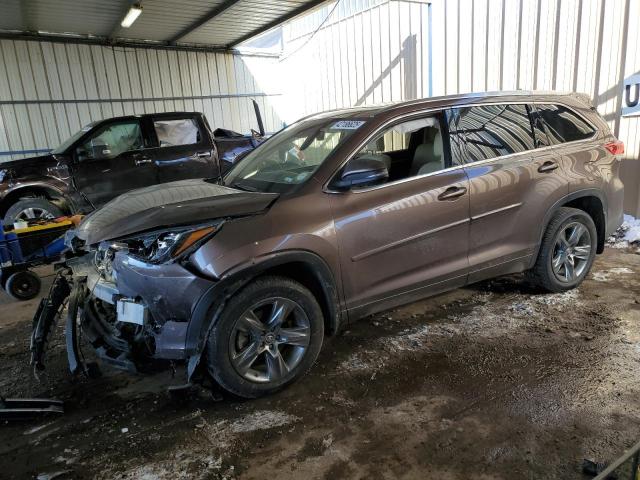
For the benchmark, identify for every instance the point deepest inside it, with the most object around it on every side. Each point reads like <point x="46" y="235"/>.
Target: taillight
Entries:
<point x="615" y="148"/>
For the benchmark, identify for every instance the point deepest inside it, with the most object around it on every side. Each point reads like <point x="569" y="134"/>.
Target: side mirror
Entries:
<point x="100" y="152"/>
<point x="94" y="152"/>
<point x="81" y="154"/>
<point x="362" y="171"/>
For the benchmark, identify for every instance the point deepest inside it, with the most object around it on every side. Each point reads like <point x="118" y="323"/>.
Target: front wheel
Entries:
<point x="268" y="336"/>
<point x="567" y="251"/>
<point x="27" y="209"/>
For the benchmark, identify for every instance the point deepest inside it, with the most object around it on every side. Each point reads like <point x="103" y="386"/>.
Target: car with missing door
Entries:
<point x="341" y="215"/>
<point x="109" y="157"/>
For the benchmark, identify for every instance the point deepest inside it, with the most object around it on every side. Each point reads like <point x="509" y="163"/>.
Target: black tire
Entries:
<point x="543" y="274"/>
<point x="224" y="335"/>
<point x="41" y="208"/>
<point x="23" y="285"/>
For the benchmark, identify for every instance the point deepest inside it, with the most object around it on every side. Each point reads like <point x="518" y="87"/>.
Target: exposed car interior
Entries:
<point x="410" y="148"/>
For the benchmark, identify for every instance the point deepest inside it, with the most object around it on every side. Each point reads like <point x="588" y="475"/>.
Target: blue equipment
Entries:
<point x="24" y="248"/>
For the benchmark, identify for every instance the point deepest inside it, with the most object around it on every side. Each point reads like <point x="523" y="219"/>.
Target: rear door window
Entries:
<point x="176" y="132"/>
<point x="537" y="124"/>
<point x="488" y="131"/>
<point x="563" y="124"/>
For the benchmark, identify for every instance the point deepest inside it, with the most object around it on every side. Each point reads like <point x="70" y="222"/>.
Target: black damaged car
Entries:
<point x="110" y="157"/>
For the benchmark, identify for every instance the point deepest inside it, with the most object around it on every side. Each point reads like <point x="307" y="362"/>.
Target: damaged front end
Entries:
<point x="132" y="298"/>
<point x="131" y="295"/>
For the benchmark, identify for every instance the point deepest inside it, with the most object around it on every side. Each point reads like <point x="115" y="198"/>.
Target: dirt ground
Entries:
<point x="495" y="381"/>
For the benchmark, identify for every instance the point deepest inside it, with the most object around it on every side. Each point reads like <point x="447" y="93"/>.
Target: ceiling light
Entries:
<point x="131" y="16"/>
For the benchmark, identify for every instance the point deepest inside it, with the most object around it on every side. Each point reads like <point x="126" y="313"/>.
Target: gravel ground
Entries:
<point x="495" y="381"/>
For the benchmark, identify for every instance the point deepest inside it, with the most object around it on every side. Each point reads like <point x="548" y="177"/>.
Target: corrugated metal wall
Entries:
<point x="50" y="90"/>
<point x="355" y="53"/>
<point x="587" y="46"/>
<point x="347" y="53"/>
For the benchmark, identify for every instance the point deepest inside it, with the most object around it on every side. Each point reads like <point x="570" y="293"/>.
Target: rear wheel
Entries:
<point x="267" y="337"/>
<point x="567" y="252"/>
<point x="27" y="209"/>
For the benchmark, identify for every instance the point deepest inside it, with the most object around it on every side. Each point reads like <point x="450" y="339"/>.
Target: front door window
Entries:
<point x="409" y="149"/>
<point x="111" y="141"/>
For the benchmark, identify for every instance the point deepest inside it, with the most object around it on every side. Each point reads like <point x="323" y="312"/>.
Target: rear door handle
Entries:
<point x="547" y="166"/>
<point x="452" y="193"/>
<point x="201" y="155"/>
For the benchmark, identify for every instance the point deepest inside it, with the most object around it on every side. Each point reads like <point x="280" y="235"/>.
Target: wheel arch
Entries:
<point x="590" y="201"/>
<point x="595" y="208"/>
<point x="302" y="266"/>
<point x="34" y="190"/>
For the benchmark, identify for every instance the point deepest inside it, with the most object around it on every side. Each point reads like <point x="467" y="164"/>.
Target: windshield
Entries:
<point x="292" y="156"/>
<point x="69" y="141"/>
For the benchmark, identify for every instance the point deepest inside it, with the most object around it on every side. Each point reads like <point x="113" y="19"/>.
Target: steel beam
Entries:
<point x="277" y="21"/>
<point x="202" y="20"/>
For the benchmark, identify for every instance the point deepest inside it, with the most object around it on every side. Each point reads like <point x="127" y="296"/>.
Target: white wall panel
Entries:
<point x="50" y="90"/>
<point x="572" y="45"/>
<point x="374" y="52"/>
<point x="364" y="52"/>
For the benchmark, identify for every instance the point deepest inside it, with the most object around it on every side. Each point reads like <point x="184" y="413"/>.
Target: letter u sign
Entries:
<point x="631" y="96"/>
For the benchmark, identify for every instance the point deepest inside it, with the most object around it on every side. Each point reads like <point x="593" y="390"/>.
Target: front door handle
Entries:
<point x="452" y="193"/>
<point x="198" y="155"/>
<point x="142" y="161"/>
<point x="548" y="166"/>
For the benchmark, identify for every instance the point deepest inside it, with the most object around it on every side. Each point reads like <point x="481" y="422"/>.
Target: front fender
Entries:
<point x="208" y="309"/>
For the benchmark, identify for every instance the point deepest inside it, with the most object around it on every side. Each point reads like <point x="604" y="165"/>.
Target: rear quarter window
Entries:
<point x="563" y="124"/>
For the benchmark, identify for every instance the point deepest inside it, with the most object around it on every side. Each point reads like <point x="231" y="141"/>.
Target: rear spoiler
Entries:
<point x="584" y="99"/>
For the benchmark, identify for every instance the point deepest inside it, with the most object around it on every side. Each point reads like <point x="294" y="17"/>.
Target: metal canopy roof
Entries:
<point x="209" y="23"/>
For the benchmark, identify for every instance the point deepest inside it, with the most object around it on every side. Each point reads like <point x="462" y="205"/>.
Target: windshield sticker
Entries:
<point x="347" y="125"/>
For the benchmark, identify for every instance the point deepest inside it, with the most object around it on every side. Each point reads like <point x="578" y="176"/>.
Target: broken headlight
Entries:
<point x="169" y="245"/>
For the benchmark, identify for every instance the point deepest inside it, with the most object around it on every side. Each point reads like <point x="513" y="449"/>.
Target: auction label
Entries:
<point x="347" y="124"/>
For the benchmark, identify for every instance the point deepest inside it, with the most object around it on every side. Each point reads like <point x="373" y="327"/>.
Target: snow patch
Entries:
<point x="569" y="298"/>
<point x="357" y="363"/>
<point x="262" y="420"/>
<point x="606" y="275"/>
<point x="487" y="320"/>
<point x="223" y="434"/>
<point x="409" y="340"/>
<point x="627" y="234"/>
<point x="182" y="465"/>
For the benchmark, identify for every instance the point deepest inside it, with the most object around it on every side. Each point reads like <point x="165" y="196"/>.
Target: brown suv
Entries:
<point x="341" y="215"/>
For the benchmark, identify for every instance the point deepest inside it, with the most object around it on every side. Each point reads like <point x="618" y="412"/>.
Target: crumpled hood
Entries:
<point x="41" y="161"/>
<point x="177" y="203"/>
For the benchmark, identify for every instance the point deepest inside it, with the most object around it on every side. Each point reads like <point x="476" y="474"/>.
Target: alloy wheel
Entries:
<point x="571" y="252"/>
<point x="269" y="340"/>
<point x="33" y="213"/>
